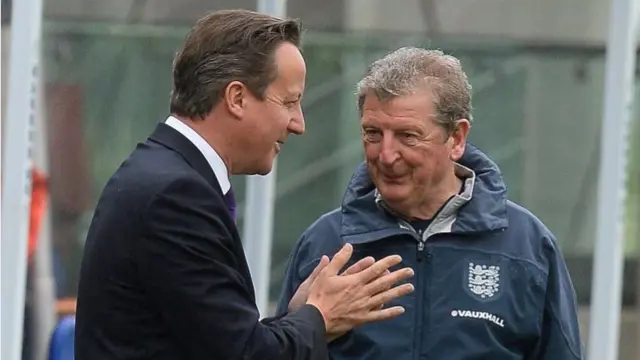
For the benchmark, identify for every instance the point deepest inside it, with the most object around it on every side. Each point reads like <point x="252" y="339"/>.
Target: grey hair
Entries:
<point x="410" y="69"/>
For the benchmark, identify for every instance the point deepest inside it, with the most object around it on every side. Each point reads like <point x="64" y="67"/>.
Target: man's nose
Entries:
<point x="388" y="150"/>
<point x="296" y="125"/>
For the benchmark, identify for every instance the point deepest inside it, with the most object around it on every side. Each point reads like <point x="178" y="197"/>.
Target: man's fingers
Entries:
<point x="359" y="266"/>
<point x="339" y="260"/>
<point x="389" y="295"/>
<point x="385" y="281"/>
<point x="384" y="314"/>
<point x="378" y="268"/>
<point x="386" y="272"/>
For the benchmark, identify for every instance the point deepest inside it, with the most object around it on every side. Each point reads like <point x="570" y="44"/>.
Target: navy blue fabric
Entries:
<point x="528" y="307"/>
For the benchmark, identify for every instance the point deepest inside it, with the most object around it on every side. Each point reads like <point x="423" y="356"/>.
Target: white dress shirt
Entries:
<point x="215" y="161"/>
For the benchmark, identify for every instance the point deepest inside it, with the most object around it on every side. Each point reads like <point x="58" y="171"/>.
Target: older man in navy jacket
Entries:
<point x="491" y="282"/>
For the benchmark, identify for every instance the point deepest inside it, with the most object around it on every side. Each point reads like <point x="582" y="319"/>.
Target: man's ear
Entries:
<point x="234" y="98"/>
<point x="459" y="138"/>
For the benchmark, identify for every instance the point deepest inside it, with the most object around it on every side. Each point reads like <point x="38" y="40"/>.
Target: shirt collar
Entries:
<point x="215" y="161"/>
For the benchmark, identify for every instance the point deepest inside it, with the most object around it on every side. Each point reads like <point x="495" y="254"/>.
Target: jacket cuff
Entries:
<point x="312" y="312"/>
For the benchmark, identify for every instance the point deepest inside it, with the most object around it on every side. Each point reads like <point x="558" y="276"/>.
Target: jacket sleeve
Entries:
<point x="560" y="338"/>
<point x="188" y="263"/>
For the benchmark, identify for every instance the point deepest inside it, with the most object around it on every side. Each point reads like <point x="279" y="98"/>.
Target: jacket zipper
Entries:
<point x="424" y="304"/>
<point x="421" y="238"/>
<point x="423" y="277"/>
<point x="420" y="249"/>
<point x="419" y="297"/>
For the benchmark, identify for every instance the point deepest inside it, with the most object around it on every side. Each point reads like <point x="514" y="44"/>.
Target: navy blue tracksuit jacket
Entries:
<point x="491" y="282"/>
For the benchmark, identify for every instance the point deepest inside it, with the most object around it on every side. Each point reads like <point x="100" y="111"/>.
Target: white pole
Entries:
<point x="43" y="281"/>
<point x="16" y="169"/>
<point x="608" y="256"/>
<point x="259" y="208"/>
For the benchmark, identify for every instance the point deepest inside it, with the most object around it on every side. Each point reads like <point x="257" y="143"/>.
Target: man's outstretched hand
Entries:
<point x="357" y="296"/>
<point x="302" y="294"/>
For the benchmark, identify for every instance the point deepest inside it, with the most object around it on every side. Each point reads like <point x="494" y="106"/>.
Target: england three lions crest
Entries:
<point x="484" y="280"/>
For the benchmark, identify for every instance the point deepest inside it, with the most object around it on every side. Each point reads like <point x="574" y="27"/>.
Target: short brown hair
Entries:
<point x="226" y="46"/>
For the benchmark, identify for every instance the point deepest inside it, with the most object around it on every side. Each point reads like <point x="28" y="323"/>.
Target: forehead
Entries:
<point x="412" y="109"/>
<point x="291" y="69"/>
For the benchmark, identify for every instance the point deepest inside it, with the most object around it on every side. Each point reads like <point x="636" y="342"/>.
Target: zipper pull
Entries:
<point x="420" y="246"/>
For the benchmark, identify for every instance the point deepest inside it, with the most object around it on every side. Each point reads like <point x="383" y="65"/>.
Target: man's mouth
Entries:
<point x="392" y="176"/>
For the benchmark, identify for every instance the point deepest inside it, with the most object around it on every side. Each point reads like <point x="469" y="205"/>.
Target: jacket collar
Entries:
<point x="170" y="138"/>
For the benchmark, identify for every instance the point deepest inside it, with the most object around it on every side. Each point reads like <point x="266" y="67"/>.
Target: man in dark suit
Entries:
<point x="164" y="274"/>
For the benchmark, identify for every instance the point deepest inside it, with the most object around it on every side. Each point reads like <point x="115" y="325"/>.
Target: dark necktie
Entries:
<point x="230" y="200"/>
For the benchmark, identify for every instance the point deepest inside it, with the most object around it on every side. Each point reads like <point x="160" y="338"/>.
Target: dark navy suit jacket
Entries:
<point x="164" y="275"/>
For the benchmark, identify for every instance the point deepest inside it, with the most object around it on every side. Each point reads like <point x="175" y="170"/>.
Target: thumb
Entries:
<point x="324" y="261"/>
<point x="339" y="260"/>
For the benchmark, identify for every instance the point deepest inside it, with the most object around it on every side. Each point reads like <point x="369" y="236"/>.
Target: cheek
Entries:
<point x="418" y="158"/>
<point x="371" y="151"/>
<point x="283" y="120"/>
<point x="272" y="126"/>
<point x="426" y="162"/>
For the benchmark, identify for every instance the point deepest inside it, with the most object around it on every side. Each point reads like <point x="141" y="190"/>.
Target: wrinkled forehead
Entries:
<point x="414" y="106"/>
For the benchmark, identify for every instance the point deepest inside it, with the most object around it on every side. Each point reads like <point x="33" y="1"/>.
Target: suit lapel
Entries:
<point x="168" y="137"/>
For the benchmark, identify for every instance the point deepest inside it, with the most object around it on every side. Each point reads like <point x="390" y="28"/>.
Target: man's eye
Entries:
<point x="409" y="138"/>
<point x="372" y="135"/>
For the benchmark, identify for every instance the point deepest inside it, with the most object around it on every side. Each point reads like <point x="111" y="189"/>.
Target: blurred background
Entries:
<point x="537" y="68"/>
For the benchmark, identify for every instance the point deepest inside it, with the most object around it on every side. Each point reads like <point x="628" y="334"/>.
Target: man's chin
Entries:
<point x="393" y="193"/>
<point x="264" y="172"/>
<point x="392" y="184"/>
<point x="263" y="168"/>
<point x="266" y="167"/>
